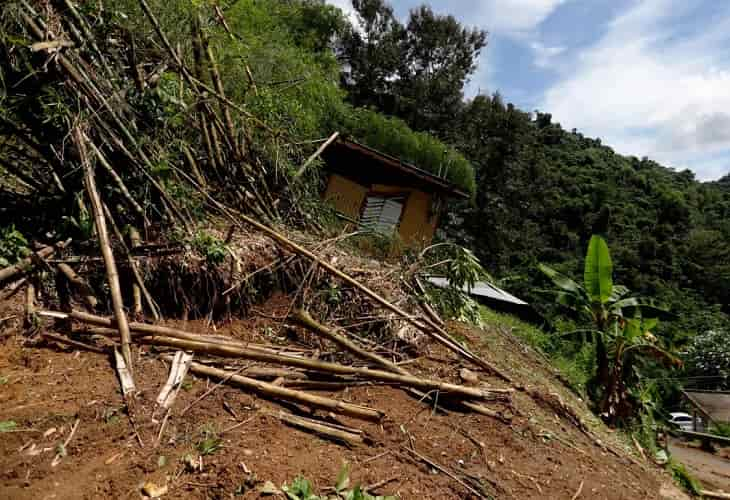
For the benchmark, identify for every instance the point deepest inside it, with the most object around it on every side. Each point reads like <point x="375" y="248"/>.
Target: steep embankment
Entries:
<point x="541" y="453"/>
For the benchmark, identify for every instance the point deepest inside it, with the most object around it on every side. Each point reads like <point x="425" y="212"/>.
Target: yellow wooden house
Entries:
<point x="384" y="194"/>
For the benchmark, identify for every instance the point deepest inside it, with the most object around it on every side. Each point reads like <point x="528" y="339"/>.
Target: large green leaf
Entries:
<point x="560" y="280"/>
<point x="598" y="273"/>
<point x="644" y="305"/>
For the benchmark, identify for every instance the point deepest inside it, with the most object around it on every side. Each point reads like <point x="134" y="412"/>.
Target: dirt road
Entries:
<point x="711" y="470"/>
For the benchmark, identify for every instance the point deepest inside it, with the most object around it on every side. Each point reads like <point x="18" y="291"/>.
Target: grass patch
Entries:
<point x="683" y="478"/>
<point x="574" y="360"/>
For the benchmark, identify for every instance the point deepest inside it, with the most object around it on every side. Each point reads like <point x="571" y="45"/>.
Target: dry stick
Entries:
<point x="305" y="319"/>
<point x="375" y="486"/>
<point x="638" y="447"/>
<point x="62" y="449"/>
<point x="171" y="337"/>
<point x="715" y="494"/>
<point x="322" y="366"/>
<point x="320" y="428"/>
<point x="25" y="264"/>
<point x="580" y="490"/>
<point x="154" y="309"/>
<point x="74" y="343"/>
<point x="290" y="395"/>
<point x="120" y="183"/>
<point x="316" y="154"/>
<point x="446" y="471"/>
<point x="209" y="391"/>
<point x="136" y="240"/>
<point x="106" y="250"/>
<point x="80" y="284"/>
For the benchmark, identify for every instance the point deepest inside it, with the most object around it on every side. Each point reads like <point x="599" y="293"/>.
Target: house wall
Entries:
<point x="417" y="225"/>
<point x="345" y="195"/>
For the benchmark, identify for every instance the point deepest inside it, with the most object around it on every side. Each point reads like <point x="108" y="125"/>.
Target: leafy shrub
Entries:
<point x="302" y="489"/>
<point x="13" y="246"/>
<point x="210" y="247"/>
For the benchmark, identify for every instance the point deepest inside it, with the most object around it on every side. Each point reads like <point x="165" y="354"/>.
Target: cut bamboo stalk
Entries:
<point x="25" y="264"/>
<point x="316" y="154"/>
<point x="154" y="309"/>
<point x="305" y="319"/>
<point x="228" y="350"/>
<point x="30" y="309"/>
<point x="119" y="182"/>
<point x="320" y="428"/>
<point x="136" y="240"/>
<point x="80" y="284"/>
<point x="106" y="250"/>
<point x="274" y="391"/>
<point x="238" y="149"/>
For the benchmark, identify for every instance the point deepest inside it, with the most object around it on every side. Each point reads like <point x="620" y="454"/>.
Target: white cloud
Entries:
<point x="648" y="88"/>
<point x="544" y="55"/>
<point x="514" y="17"/>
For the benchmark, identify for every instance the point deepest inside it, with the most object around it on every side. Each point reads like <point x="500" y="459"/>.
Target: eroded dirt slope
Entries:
<point x="540" y="454"/>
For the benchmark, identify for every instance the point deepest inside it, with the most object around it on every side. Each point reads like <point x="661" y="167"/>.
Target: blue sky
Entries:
<point x="649" y="77"/>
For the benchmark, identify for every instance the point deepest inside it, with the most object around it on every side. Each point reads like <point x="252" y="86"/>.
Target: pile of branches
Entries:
<point x="80" y="148"/>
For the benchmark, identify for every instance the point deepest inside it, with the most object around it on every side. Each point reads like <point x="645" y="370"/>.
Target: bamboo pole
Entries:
<point x="229" y="350"/>
<point x="316" y="154"/>
<point x="154" y="309"/>
<point x="305" y="319"/>
<point x="136" y="240"/>
<point x="106" y="251"/>
<point x="25" y="264"/>
<point x="275" y="391"/>
<point x="320" y="428"/>
<point x="119" y="182"/>
<point x="80" y="284"/>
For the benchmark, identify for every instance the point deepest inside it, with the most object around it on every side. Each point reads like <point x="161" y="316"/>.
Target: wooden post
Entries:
<point x="136" y="240"/>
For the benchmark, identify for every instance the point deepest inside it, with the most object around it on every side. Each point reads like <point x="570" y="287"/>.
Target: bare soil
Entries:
<point x="541" y="454"/>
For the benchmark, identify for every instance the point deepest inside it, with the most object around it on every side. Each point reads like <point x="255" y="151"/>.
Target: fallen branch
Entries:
<point x="580" y="490"/>
<point x="274" y="391"/>
<point x="714" y="494"/>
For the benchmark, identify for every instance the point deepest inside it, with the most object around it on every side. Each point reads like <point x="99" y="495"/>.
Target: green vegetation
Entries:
<point x="301" y="489"/>
<point x="621" y="340"/>
<point x="682" y="476"/>
<point x="209" y="441"/>
<point x="13" y="246"/>
<point x="209" y="246"/>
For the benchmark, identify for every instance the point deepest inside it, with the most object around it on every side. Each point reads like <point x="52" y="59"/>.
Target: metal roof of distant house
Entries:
<point x="482" y="289"/>
<point x="407" y="169"/>
<point x="713" y="404"/>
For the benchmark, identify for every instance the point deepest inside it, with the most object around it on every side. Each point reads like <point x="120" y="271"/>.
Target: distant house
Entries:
<point x="383" y="194"/>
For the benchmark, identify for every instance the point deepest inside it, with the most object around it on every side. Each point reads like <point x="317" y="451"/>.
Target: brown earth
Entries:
<point x="541" y="454"/>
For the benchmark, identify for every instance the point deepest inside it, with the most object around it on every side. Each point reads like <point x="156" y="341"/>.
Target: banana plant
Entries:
<point x="611" y="314"/>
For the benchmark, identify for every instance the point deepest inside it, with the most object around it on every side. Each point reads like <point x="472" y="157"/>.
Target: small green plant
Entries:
<point x="207" y="245"/>
<point x="7" y="425"/>
<point x="302" y="489"/>
<point x="13" y="246"/>
<point x="209" y="442"/>
<point x="3" y="380"/>
<point x="683" y="478"/>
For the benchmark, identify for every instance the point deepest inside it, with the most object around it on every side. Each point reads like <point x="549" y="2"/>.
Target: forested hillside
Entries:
<point x="543" y="191"/>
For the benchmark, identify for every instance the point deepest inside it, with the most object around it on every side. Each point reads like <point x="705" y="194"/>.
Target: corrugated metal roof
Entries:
<point x="481" y="289"/>
<point x="715" y="405"/>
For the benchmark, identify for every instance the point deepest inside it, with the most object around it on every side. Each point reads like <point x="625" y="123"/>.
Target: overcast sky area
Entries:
<point x="649" y="77"/>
